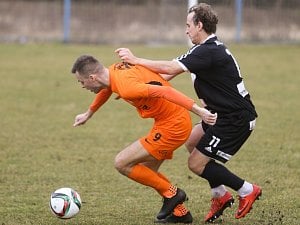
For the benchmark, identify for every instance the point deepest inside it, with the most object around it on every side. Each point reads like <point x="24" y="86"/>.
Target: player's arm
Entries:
<point x="135" y="89"/>
<point x="98" y="101"/>
<point x="171" y="68"/>
<point x="179" y="98"/>
<point x="167" y="76"/>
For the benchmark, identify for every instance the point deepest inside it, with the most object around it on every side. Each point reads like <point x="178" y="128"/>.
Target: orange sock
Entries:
<point x="180" y="209"/>
<point x="163" y="176"/>
<point x="172" y="189"/>
<point x="148" y="177"/>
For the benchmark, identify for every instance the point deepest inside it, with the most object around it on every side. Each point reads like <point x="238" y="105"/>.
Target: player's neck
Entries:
<point x="104" y="77"/>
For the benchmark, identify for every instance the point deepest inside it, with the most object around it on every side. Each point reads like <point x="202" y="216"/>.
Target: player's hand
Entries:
<point x="126" y="55"/>
<point x="81" y="119"/>
<point x="207" y="116"/>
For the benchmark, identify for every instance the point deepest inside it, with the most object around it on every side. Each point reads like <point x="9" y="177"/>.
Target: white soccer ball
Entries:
<point x="65" y="203"/>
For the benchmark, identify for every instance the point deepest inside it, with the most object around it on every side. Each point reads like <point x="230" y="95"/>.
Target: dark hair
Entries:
<point x="86" y="65"/>
<point x="205" y="14"/>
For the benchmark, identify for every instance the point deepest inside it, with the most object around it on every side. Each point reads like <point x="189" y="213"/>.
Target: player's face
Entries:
<point x="192" y="30"/>
<point x="89" y="83"/>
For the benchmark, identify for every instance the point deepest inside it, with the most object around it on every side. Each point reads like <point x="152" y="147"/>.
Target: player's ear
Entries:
<point x="200" y="25"/>
<point x="92" y="77"/>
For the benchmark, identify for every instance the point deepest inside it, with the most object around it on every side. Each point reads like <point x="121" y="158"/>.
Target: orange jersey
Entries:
<point x="145" y="90"/>
<point x="153" y="97"/>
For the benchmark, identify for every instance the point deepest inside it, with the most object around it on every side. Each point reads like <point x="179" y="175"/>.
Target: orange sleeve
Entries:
<point x="171" y="95"/>
<point x="100" y="99"/>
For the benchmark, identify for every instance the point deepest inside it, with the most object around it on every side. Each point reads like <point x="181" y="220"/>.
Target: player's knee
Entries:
<point x="120" y="165"/>
<point x="189" y="145"/>
<point x="195" y="166"/>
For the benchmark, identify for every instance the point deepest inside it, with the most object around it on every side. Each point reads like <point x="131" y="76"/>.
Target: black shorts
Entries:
<point x="222" y="140"/>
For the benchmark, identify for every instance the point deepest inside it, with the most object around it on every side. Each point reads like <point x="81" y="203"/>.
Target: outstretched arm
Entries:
<point x="179" y="98"/>
<point x="172" y="68"/>
<point x="80" y="119"/>
<point x="98" y="101"/>
<point x="167" y="76"/>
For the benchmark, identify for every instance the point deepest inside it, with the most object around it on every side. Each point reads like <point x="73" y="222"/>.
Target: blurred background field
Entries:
<point x="40" y="151"/>
<point x="151" y="22"/>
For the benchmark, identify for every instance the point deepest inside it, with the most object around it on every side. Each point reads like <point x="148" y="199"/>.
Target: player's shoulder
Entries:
<point x="123" y="69"/>
<point x="122" y="66"/>
<point x="202" y="48"/>
<point x="127" y="68"/>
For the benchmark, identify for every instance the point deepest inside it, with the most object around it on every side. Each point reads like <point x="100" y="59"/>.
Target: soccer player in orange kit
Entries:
<point x="154" y="98"/>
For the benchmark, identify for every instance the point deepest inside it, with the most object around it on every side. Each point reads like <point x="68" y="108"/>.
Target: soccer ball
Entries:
<point x="65" y="203"/>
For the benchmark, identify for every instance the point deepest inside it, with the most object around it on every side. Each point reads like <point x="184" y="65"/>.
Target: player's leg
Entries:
<point x="194" y="137"/>
<point x="141" y="160"/>
<point x="161" y="142"/>
<point x="180" y="214"/>
<point x="218" y="175"/>
<point x="220" y="143"/>
<point x="132" y="155"/>
<point x="131" y="163"/>
<point x="221" y="198"/>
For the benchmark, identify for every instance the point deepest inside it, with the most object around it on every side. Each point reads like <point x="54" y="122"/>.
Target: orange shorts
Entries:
<point x="167" y="135"/>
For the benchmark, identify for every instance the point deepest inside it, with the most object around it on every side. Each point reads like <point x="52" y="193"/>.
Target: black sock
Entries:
<point x="217" y="174"/>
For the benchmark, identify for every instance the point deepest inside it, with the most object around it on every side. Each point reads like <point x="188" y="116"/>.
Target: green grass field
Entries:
<point x="40" y="151"/>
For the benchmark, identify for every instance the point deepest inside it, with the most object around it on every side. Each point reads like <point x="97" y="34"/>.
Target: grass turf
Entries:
<point x="40" y="151"/>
